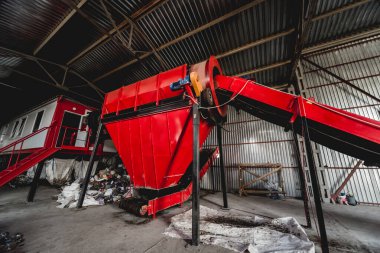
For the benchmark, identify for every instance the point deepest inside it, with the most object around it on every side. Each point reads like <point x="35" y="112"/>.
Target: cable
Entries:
<point x="217" y="106"/>
<point x="230" y="100"/>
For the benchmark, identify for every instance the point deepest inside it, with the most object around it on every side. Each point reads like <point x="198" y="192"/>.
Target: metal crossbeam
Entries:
<point x="152" y="5"/>
<point x="65" y="68"/>
<point x="306" y="26"/>
<point x="184" y="36"/>
<point x="341" y="79"/>
<point x="142" y="34"/>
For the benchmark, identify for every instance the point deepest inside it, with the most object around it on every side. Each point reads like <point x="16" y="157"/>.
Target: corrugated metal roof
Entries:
<point x="327" y="5"/>
<point x="184" y="31"/>
<point x="230" y="34"/>
<point x="23" y="24"/>
<point x="7" y="62"/>
<point x="353" y="20"/>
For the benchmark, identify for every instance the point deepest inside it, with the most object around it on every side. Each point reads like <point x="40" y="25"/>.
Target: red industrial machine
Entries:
<point x="150" y="123"/>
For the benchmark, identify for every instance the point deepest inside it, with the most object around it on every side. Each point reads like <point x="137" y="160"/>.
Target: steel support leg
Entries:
<point x="195" y="202"/>
<point x="222" y="172"/>
<point x="36" y="179"/>
<point x="90" y="165"/>
<point x="316" y="190"/>
<point x="303" y="181"/>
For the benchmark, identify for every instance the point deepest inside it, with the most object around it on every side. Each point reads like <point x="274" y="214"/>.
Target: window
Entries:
<point x="3" y="132"/>
<point x="21" y="127"/>
<point x="14" y="129"/>
<point x="37" y="123"/>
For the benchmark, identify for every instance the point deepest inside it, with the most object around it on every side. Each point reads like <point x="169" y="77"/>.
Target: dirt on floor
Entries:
<point x="109" y="229"/>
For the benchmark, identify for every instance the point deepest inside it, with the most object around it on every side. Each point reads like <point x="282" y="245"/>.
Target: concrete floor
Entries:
<point x="108" y="229"/>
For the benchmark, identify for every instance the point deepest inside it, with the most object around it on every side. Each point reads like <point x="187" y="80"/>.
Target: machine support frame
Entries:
<point x="316" y="189"/>
<point x="195" y="177"/>
<point x="90" y="165"/>
<point x="302" y="181"/>
<point x="36" y="179"/>
<point x="222" y="171"/>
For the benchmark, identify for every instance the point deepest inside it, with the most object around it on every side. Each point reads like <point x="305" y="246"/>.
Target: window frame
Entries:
<point x="35" y="121"/>
<point x="4" y="132"/>
<point x="22" y="126"/>
<point x="14" y="129"/>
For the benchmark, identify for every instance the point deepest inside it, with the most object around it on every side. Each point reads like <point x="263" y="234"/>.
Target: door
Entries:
<point x="83" y="131"/>
<point x="69" y="129"/>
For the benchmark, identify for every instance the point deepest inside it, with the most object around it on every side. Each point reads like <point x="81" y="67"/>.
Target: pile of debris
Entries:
<point x="243" y="233"/>
<point x="8" y="242"/>
<point x="21" y="180"/>
<point x="107" y="186"/>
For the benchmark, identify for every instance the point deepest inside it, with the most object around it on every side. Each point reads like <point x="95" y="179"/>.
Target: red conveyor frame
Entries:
<point x="149" y="124"/>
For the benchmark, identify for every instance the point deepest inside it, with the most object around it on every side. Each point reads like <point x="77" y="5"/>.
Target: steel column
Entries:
<point x="302" y="180"/>
<point x="222" y="172"/>
<point x="90" y="165"/>
<point x="36" y="179"/>
<point x="195" y="177"/>
<point x="315" y="186"/>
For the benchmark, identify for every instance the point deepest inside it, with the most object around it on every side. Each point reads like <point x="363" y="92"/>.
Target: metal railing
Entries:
<point x="69" y="140"/>
<point x="70" y="137"/>
<point x="18" y="145"/>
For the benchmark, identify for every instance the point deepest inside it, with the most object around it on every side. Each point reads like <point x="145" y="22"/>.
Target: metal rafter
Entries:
<point x="265" y="68"/>
<point x="9" y="86"/>
<point x="306" y="26"/>
<point x="142" y="34"/>
<point x="186" y="35"/>
<point x="255" y="43"/>
<point x="35" y="58"/>
<point x="152" y="5"/>
<point x="58" y="27"/>
<point x="318" y="48"/>
<point x="51" y="84"/>
<point x="374" y="31"/>
<point x="340" y="9"/>
<point x="64" y="77"/>
<point x="102" y="30"/>
<point x="341" y="79"/>
<point x="46" y="72"/>
<point x="303" y="28"/>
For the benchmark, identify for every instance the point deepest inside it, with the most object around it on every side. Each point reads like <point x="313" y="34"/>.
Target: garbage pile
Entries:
<point x="242" y="233"/>
<point x="107" y="186"/>
<point x="8" y="242"/>
<point x="275" y="191"/>
<point x="21" y="180"/>
<point x="346" y="199"/>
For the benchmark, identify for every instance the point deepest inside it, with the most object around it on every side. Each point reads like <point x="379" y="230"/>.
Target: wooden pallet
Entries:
<point x="245" y="168"/>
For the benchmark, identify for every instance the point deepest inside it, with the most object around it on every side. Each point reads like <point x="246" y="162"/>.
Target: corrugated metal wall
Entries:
<point x="251" y="140"/>
<point x="359" y="64"/>
<point x="247" y="139"/>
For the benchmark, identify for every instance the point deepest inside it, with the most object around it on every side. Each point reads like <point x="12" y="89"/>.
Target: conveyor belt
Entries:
<point x="342" y="131"/>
